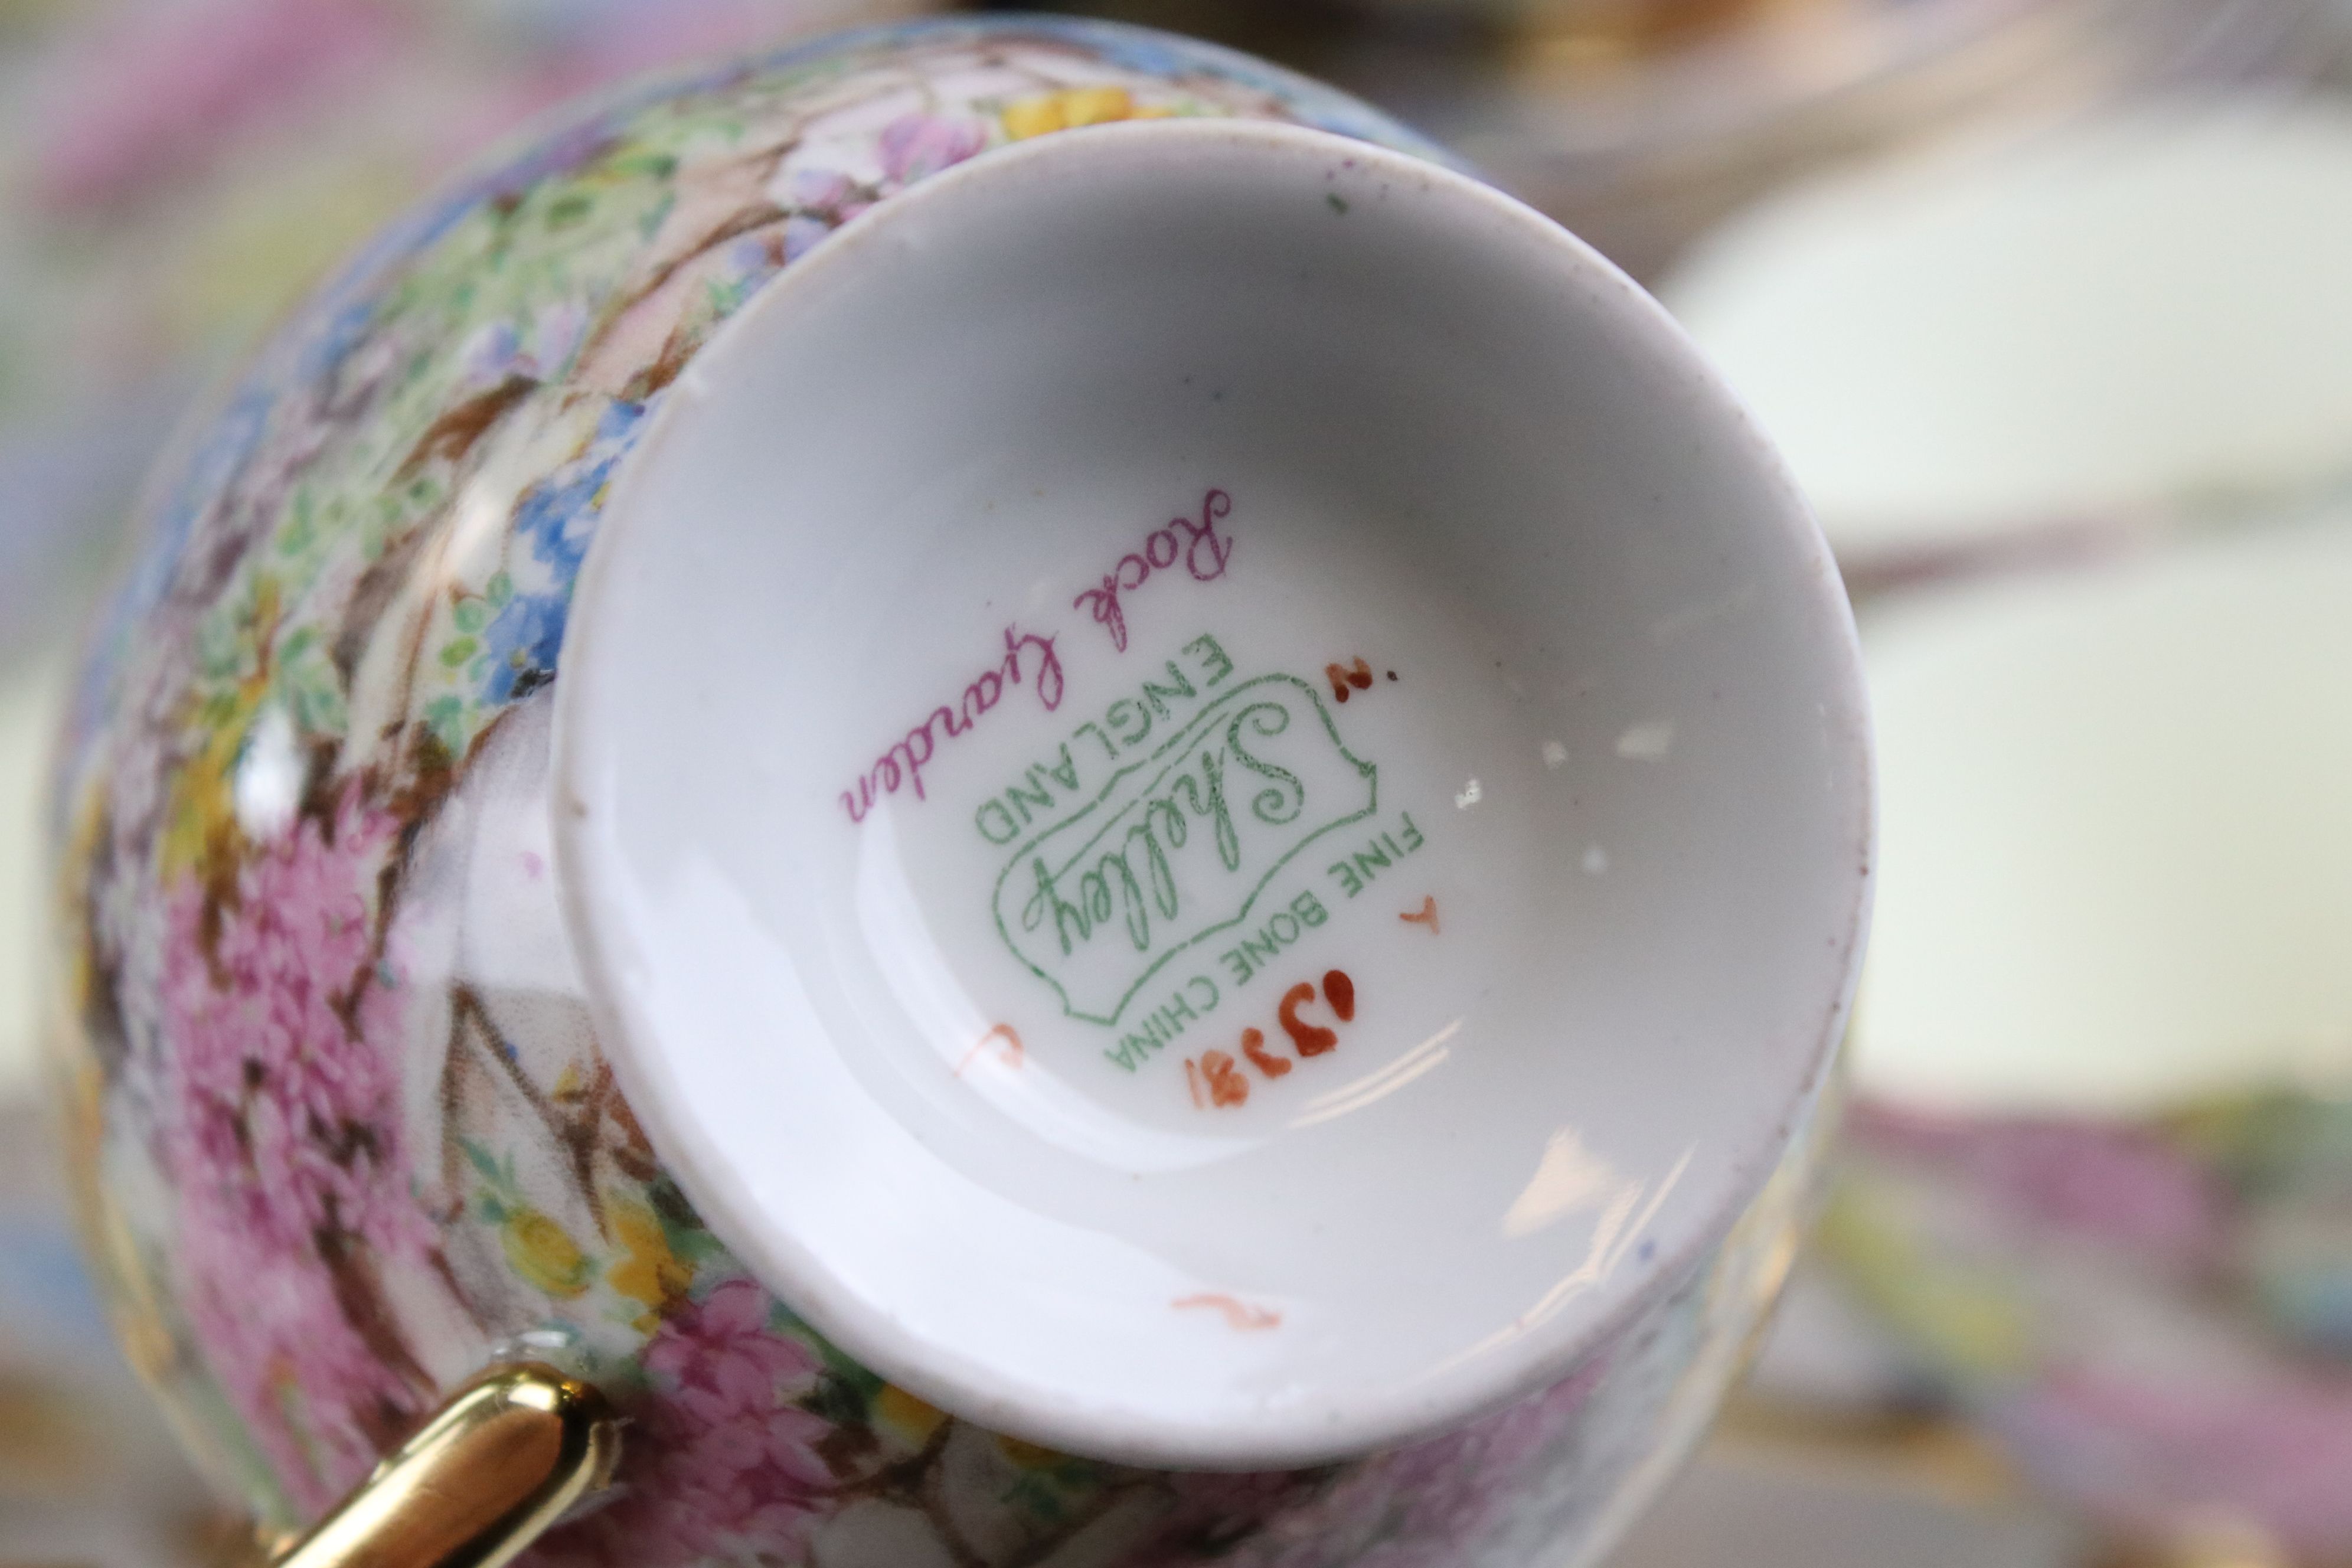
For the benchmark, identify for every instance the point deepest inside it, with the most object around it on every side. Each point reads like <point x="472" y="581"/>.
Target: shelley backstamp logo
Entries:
<point x="1177" y="846"/>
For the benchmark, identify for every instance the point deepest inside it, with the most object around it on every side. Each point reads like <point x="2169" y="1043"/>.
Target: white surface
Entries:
<point x="29" y="706"/>
<point x="2117" y="839"/>
<point x="1457" y="445"/>
<point x="2116" y="315"/>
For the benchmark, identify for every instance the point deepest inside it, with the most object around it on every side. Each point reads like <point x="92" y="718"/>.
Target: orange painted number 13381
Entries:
<point x="1217" y="1080"/>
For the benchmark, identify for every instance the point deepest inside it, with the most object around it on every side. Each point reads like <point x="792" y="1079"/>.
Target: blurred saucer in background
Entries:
<point x="2116" y="838"/>
<point x="2081" y="339"/>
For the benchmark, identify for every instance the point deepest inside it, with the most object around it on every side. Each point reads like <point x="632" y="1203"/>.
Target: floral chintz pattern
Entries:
<point x="343" y="1131"/>
<point x="2153" y="1314"/>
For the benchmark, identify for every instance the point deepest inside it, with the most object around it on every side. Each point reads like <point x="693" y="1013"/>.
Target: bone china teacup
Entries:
<point x="1001" y="794"/>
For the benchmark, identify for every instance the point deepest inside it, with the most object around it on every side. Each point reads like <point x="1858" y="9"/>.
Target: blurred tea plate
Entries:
<point x="2085" y="334"/>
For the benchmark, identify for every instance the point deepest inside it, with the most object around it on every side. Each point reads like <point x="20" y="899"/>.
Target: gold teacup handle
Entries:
<point x="494" y="1468"/>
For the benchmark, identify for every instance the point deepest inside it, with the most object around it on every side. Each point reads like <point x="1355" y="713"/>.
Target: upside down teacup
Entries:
<point x="1009" y="774"/>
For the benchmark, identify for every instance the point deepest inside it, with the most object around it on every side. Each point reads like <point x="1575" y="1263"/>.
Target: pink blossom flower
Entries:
<point x="821" y="190"/>
<point x="727" y="1466"/>
<point x="917" y="145"/>
<point x="280" y="1130"/>
<point x="721" y="1359"/>
<point x="822" y="200"/>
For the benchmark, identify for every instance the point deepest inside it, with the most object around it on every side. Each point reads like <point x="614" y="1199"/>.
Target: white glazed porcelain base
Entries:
<point x="1216" y="798"/>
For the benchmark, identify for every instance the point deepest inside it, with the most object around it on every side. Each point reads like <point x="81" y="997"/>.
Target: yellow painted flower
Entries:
<point x="905" y="1417"/>
<point x="201" y="832"/>
<point x="544" y="1254"/>
<point x="649" y="1273"/>
<point x="67" y="1003"/>
<point x="1071" y="108"/>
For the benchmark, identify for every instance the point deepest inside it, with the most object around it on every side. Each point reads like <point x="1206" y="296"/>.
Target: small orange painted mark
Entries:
<point x="1012" y="1053"/>
<point x="1238" y="1314"/>
<point x="1312" y="1039"/>
<point x="1254" y="1048"/>
<point x="1342" y="677"/>
<point x="1226" y="1084"/>
<point x="1340" y="991"/>
<point x="1192" y="1081"/>
<point x="1426" y="915"/>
